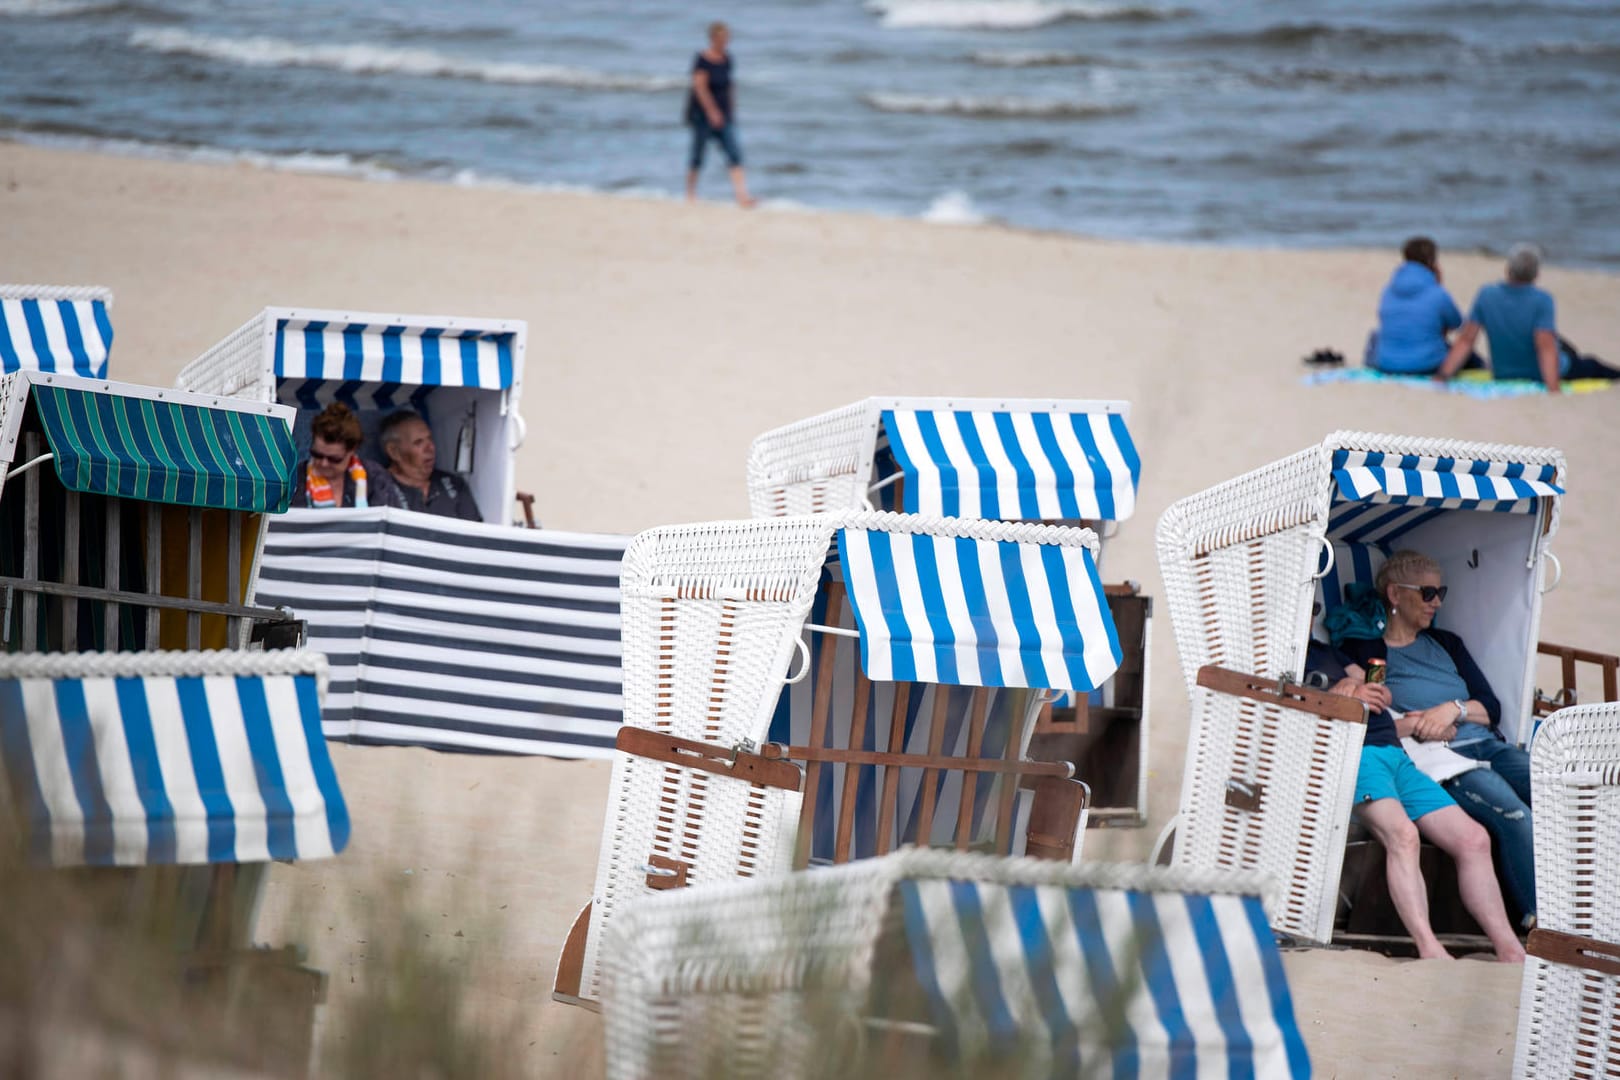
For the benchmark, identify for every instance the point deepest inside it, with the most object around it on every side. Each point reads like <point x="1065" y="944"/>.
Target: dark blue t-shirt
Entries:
<point x="1325" y="660"/>
<point x="719" y="88"/>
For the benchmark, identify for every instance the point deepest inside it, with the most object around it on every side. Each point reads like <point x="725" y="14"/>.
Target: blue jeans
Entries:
<point x="726" y="136"/>
<point x="1498" y="797"/>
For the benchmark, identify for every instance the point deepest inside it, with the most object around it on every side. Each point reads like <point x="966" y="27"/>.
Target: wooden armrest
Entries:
<point x="709" y="757"/>
<point x="1574" y="950"/>
<point x="1289" y="695"/>
<point x="527" y="499"/>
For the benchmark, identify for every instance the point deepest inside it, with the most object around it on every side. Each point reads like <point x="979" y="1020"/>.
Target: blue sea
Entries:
<point x="1295" y="123"/>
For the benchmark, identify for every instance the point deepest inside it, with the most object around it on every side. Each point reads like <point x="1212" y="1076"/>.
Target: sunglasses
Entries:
<point x="330" y="459"/>
<point x="1430" y="593"/>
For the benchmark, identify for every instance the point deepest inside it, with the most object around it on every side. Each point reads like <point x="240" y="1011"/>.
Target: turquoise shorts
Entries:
<point x="1387" y="773"/>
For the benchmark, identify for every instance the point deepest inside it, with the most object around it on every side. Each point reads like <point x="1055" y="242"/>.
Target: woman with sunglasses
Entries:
<point x="1444" y="697"/>
<point x="334" y="475"/>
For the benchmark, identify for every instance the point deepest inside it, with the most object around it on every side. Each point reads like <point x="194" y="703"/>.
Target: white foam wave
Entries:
<point x="1008" y="14"/>
<point x="1030" y="59"/>
<point x="56" y="9"/>
<point x="382" y="60"/>
<point x="953" y="208"/>
<point x="994" y="108"/>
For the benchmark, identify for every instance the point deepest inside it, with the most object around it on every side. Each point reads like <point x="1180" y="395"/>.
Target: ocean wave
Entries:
<point x="65" y="9"/>
<point x="71" y="137"/>
<point x="1596" y="50"/>
<point x="381" y="60"/>
<point x="1033" y="58"/>
<point x="992" y="108"/>
<point x="1010" y="14"/>
<point x="953" y="208"/>
<point x="1342" y="79"/>
<point x="1309" y="35"/>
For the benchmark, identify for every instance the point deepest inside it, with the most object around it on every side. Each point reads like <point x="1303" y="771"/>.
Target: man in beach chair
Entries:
<point x="412" y="455"/>
<point x="1518" y="319"/>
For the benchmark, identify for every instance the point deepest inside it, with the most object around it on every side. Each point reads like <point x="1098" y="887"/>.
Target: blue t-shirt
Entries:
<point x="1421" y="675"/>
<point x="1511" y="314"/>
<point x="719" y="73"/>
<point x="1414" y="314"/>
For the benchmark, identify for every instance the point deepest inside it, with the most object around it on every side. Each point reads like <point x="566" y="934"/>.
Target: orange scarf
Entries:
<point x="318" y="489"/>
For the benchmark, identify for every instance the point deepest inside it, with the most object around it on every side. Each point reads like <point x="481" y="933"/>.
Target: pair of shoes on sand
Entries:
<point x="1324" y="358"/>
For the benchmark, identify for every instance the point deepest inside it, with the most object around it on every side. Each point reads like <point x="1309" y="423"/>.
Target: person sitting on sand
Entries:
<point x="711" y="113"/>
<point x="408" y="442"/>
<point x="1444" y="697"/>
<point x="1415" y="313"/>
<point x="1400" y="805"/>
<point x="334" y="475"/>
<point x="1518" y="321"/>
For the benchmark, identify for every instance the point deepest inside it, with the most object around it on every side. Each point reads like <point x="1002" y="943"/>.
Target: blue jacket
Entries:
<point x="1414" y="315"/>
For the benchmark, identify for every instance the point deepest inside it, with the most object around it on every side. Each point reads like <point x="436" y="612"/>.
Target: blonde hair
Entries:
<point x="1403" y="568"/>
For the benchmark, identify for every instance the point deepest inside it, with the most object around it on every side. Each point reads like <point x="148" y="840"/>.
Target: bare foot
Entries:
<point x="747" y="202"/>
<point x="1436" y="953"/>
<point x="1510" y="955"/>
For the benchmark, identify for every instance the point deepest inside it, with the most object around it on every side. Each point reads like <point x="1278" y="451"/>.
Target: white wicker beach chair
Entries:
<point x="55" y="328"/>
<point x="1569" y="1009"/>
<point x="925" y="961"/>
<point x="713" y="617"/>
<point x="1068" y="462"/>
<point x="1252" y="565"/>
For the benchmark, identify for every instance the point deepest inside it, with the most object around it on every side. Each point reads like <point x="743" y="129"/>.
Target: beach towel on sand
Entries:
<point x="1476" y="384"/>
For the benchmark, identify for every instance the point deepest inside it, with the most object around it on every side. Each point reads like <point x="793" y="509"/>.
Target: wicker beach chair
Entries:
<point x="1251" y="568"/>
<point x="923" y="961"/>
<point x="55" y="328"/>
<point x="958" y="625"/>
<point x="1569" y="1009"/>
<point x="1066" y="462"/>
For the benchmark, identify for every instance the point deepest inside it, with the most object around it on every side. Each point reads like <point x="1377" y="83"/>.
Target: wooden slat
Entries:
<point x="837" y="754"/>
<point x="30" y="571"/>
<point x="852" y="773"/>
<point x="70" y="570"/>
<point x="156" y="603"/>
<point x="194" y="576"/>
<point x="154" y="573"/>
<point x="708" y="757"/>
<point x="1574" y="950"/>
<point x="888" y="805"/>
<point x="820" y="706"/>
<point x="1287" y="694"/>
<point x="978" y="713"/>
<point x="112" y="567"/>
<point x="1009" y="787"/>
<point x="233" y="578"/>
<point x="930" y="776"/>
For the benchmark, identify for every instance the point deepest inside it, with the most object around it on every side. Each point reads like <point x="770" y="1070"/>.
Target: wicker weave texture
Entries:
<point x="814" y="466"/>
<point x="1569" y="1018"/>
<point x="57" y="292"/>
<point x="740" y="979"/>
<point x="236" y="365"/>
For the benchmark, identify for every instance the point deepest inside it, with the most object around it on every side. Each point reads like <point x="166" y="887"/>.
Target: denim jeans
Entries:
<point x="1498" y="797"/>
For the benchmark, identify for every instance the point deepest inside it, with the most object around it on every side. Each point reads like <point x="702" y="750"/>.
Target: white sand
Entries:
<point x="664" y="337"/>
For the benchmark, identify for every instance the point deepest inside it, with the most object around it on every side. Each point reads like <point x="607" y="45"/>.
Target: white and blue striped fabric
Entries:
<point x="1099" y="982"/>
<point x="1442" y="483"/>
<point x="171" y="769"/>
<point x="1038" y="466"/>
<point x="70" y="337"/>
<point x="967" y="612"/>
<point x="379" y="353"/>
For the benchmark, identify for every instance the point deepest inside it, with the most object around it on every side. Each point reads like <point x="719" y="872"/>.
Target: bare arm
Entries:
<point x="700" y="87"/>
<point x="1547" y="358"/>
<point x="1461" y="346"/>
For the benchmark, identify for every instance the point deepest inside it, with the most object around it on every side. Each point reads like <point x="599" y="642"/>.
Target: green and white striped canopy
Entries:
<point x="142" y="447"/>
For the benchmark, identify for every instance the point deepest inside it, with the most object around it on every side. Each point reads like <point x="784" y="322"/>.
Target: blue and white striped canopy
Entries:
<point x="1031" y="465"/>
<point x="970" y="612"/>
<point x="1100" y="982"/>
<point x="379" y="353"/>
<point x="1380" y="497"/>
<point x="72" y="337"/>
<point x="171" y="769"/>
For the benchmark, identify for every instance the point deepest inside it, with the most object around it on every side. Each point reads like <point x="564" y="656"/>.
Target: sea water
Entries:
<point x="1276" y="122"/>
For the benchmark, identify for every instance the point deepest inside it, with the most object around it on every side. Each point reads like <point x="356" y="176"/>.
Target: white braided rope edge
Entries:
<point x="1428" y="446"/>
<point x="166" y="664"/>
<point x="57" y="292"/>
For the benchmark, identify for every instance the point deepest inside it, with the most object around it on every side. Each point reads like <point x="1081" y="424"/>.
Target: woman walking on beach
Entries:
<point x="711" y="113"/>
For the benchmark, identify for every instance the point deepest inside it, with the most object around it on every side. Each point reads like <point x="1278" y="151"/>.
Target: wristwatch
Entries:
<point x="1462" y="710"/>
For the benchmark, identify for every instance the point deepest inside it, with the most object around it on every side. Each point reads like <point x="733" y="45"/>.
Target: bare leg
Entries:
<point x="1388" y="821"/>
<point x="1466" y="841"/>
<point x="691" y="185"/>
<point x="739" y="186"/>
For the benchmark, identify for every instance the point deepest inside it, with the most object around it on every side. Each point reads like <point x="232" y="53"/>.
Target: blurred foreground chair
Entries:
<point x="1569" y="1009"/>
<point x="928" y="963"/>
<point x="61" y="329"/>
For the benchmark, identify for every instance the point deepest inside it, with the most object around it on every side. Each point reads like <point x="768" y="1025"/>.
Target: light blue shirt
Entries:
<point x="1511" y="314"/>
<point x="1421" y="676"/>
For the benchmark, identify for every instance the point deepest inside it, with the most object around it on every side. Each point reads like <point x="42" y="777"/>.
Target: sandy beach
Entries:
<point x="663" y="337"/>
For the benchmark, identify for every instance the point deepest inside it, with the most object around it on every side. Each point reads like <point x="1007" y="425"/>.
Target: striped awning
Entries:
<point x="1032" y="465"/>
<point x="167" y="451"/>
<point x="1103" y="981"/>
<point x="977" y="612"/>
<point x="382" y="353"/>
<point x="121" y="770"/>
<point x="72" y="337"/>
<point x="1379" y="497"/>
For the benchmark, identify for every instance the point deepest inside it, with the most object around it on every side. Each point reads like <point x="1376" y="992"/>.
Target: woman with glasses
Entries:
<point x="1445" y="698"/>
<point x="334" y="475"/>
